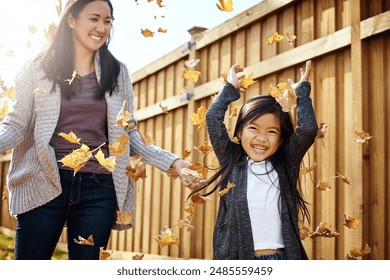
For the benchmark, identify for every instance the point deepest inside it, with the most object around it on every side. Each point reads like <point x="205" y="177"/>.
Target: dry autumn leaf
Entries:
<point x="184" y="224"/>
<point x="304" y="232"/>
<point x="39" y="90"/>
<point x="284" y="95"/>
<point x="187" y="171"/>
<point x="305" y="170"/>
<point x="70" y="137"/>
<point x="322" y="129"/>
<point x="161" y="30"/>
<point x="74" y="75"/>
<point x="139" y="169"/>
<point x="275" y="37"/>
<point x="199" y="118"/>
<point x="123" y="218"/>
<point x="323" y="231"/>
<point x="147" y="139"/>
<point x="164" y="108"/>
<point x="103" y="254"/>
<point x="147" y="33"/>
<point x="78" y="158"/>
<point x="247" y="81"/>
<point x="225" y="5"/>
<point x="190" y="75"/>
<point x="362" y="136"/>
<point x="290" y="37"/>
<point x="356" y="253"/>
<point x="167" y="237"/>
<point x="118" y="148"/>
<point x="323" y="186"/>
<point x="200" y="168"/>
<point x="107" y="162"/>
<point x="350" y="222"/>
<point x="185" y="154"/>
<point x="137" y="257"/>
<point x="82" y="241"/>
<point x="343" y="178"/>
<point x="123" y="117"/>
<point x="59" y="8"/>
<point x="228" y="187"/>
<point x="199" y="199"/>
<point x="204" y="148"/>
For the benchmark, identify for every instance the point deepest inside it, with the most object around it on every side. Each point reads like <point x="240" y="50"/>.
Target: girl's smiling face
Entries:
<point x="261" y="137"/>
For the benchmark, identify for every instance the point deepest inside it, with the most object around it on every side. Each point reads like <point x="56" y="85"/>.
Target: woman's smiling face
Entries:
<point x="261" y="137"/>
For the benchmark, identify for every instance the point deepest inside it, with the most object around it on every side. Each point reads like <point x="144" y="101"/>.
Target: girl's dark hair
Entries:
<point x="58" y="57"/>
<point x="254" y="108"/>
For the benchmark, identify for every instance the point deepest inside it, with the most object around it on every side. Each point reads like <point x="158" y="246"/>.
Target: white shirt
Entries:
<point x="263" y="195"/>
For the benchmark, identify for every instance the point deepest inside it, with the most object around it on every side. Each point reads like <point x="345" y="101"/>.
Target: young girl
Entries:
<point x="43" y="193"/>
<point x="258" y="216"/>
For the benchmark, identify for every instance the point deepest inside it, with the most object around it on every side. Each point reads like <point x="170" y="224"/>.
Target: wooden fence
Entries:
<point x="348" y="42"/>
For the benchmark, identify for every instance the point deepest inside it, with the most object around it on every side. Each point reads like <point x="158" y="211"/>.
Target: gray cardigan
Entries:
<point x="233" y="237"/>
<point x="33" y="177"/>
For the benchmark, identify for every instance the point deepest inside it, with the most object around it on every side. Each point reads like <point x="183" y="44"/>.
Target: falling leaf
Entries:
<point x="118" y="148"/>
<point x="322" y="129"/>
<point x="304" y="232"/>
<point x="172" y="173"/>
<point x="323" y="186"/>
<point x="350" y="223"/>
<point x="161" y="30"/>
<point x="32" y="29"/>
<point x="147" y="139"/>
<point x="137" y="257"/>
<point x="185" y="154"/>
<point x="83" y="241"/>
<point x="123" y="117"/>
<point x="39" y="90"/>
<point x="167" y="237"/>
<point x="228" y="187"/>
<point x="355" y="253"/>
<point x="204" y="148"/>
<point x="103" y="254"/>
<point x="8" y="92"/>
<point x="200" y="168"/>
<point x="139" y="169"/>
<point x="343" y="178"/>
<point x="305" y="170"/>
<point x="191" y="63"/>
<point x="275" y="37"/>
<point x="190" y="75"/>
<point x="224" y="77"/>
<point x="123" y="218"/>
<point x="284" y="95"/>
<point x="164" y="109"/>
<point x="147" y="33"/>
<point x="323" y="231"/>
<point x="199" y="199"/>
<point x="78" y="158"/>
<point x="290" y="37"/>
<point x="74" y="75"/>
<point x="247" y="81"/>
<point x="225" y="5"/>
<point x="50" y="32"/>
<point x="233" y="112"/>
<point x="70" y="137"/>
<point x="108" y="163"/>
<point x="59" y="8"/>
<point x="199" y="118"/>
<point x="184" y="224"/>
<point x="235" y="140"/>
<point x="5" y="193"/>
<point x="362" y="137"/>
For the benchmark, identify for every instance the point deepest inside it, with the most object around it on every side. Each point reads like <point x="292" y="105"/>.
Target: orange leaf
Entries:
<point x="123" y="218"/>
<point x="118" y="148"/>
<point x="322" y="129"/>
<point x="164" y="109"/>
<point x="225" y="5"/>
<point x="204" y="148"/>
<point x="199" y="199"/>
<point x="343" y="178"/>
<point x="83" y="241"/>
<point x="103" y="254"/>
<point x="167" y="237"/>
<point x="147" y="33"/>
<point x="350" y="223"/>
<point x="323" y="231"/>
<point x="323" y="186"/>
<point x="138" y="257"/>
<point x="362" y="137"/>
<point x="138" y="171"/>
<point x="228" y="187"/>
<point x="305" y="170"/>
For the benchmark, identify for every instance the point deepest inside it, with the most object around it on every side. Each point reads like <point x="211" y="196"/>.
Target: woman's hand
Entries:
<point x="188" y="180"/>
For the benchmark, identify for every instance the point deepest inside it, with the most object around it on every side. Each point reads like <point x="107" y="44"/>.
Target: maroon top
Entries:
<point x="86" y="116"/>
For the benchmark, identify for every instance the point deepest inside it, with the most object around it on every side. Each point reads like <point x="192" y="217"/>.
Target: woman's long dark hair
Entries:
<point x="254" y="108"/>
<point x="59" y="55"/>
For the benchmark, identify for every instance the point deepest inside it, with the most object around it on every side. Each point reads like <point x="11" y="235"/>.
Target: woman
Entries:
<point x="75" y="85"/>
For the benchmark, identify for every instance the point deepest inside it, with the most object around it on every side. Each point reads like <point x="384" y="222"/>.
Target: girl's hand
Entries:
<point x="187" y="179"/>
<point x="304" y="74"/>
<point x="234" y="79"/>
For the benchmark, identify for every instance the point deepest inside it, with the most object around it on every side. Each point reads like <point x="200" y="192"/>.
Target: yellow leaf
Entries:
<point x="350" y="223"/>
<point x="59" y="8"/>
<point x="123" y="218"/>
<point x="247" y="81"/>
<point x="284" y="95"/>
<point x="123" y="117"/>
<point x="147" y="33"/>
<point x="39" y="90"/>
<point x="164" y="109"/>
<point x="71" y="137"/>
<point x="147" y="139"/>
<point x="275" y="37"/>
<point x="103" y="254"/>
<point x="362" y="136"/>
<point x="50" y="32"/>
<point x="323" y="186"/>
<point x="199" y="199"/>
<point x="167" y="237"/>
<point x="228" y="187"/>
<point x="108" y="163"/>
<point x="199" y="118"/>
<point x="190" y="75"/>
<point x="225" y="5"/>
<point x="74" y="75"/>
<point x="83" y="241"/>
<point x="204" y="148"/>
<point x="161" y="30"/>
<point x="118" y="148"/>
<point x="290" y="37"/>
<point x="77" y="159"/>
<point x="139" y="169"/>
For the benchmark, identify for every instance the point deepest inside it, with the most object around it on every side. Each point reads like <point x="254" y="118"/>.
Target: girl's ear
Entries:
<point x="70" y="21"/>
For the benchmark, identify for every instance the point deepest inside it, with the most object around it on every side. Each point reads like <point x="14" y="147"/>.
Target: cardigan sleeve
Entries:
<point x="215" y="115"/>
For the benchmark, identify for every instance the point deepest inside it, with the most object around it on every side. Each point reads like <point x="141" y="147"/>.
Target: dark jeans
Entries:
<point x="277" y="256"/>
<point x="86" y="206"/>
